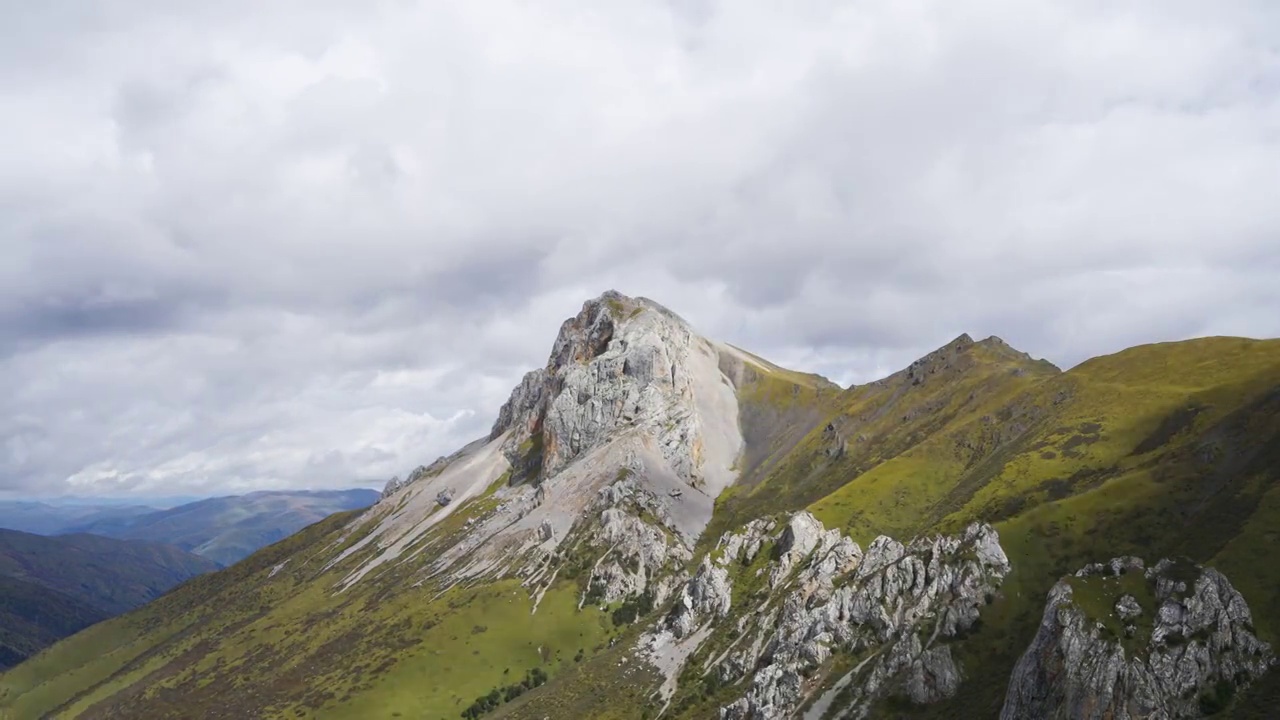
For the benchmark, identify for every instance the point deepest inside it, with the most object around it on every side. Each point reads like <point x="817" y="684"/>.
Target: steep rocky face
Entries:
<point x="706" y="595"/>
<point x="613" y="452"/>
<point x="888" y="612"/>
<point x="1120" y="641"/>
<point x="633" y="553"/>
<point x="620" y="363"/>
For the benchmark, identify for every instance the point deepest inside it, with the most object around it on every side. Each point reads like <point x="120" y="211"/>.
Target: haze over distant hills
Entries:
<point x="225" y="529"/>
<point x="68" y="563"/>
<point x="47" y="517"/>
<point x="106" y="556"/>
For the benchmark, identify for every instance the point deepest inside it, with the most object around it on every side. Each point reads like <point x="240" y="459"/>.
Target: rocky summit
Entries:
<point x="1122" y="641"/>
<point x="895" y="607"/>
<point x="659" y="524"/>
<point x="631" y="414"/>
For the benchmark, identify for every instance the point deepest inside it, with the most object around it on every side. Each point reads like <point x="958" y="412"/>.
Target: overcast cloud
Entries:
<point x="308" y="243"/>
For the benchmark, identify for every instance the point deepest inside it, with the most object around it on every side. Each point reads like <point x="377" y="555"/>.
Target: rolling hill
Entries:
<point x="51" y="587"/>
<point x="663" y="525"/>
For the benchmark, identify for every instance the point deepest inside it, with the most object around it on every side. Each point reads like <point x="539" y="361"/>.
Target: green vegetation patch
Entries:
<point x="451" y="666"/>
<point x="1097" y="596"/>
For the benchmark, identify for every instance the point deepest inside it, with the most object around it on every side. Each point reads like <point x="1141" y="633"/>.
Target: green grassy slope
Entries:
<point x="33" y="617"/>
<point x="271" y="637"/>
<point x="880" y="433"/>
<point x="1170" y="449"/>
<point x="108" y="574"/>
<point x="1188" y="463"/>
<point x="51" y="587"/>
<point x="1161" y="450"/>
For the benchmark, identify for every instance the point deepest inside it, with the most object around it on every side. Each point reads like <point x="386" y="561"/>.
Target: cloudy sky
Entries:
<point x="307" y="243"/>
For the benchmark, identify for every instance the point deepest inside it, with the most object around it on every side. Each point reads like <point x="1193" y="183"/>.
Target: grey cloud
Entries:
<point x="310" y="243"/>
<point x="63" y="316"/>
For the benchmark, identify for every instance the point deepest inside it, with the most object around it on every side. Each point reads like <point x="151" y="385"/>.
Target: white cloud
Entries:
<point x="311" y="243"/>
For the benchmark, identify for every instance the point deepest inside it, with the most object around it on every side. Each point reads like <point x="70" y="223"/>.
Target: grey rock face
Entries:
<point x="525" y="405"/>
<point x="705" y="595"/>
<point x="801" y="536"/>
<point x="1185" y="654"/>
<point x="639" y="552"/>
<point x="742" y="547"/>
<point x="391" y="487"/>
<point x="1127" y="608"/>
<point x="620" y="362"/>
<point x="419" y="473"/>
<point x="632" y="414"/>
<point x="897" y="601"/>
<point x="1121" y="565"/>
<point x="834" y="557"/>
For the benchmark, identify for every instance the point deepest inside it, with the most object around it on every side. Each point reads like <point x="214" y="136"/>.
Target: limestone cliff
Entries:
<point x="1119" y="641"/>
<point x="614" y="451"/>
<point x="889" y="613"/>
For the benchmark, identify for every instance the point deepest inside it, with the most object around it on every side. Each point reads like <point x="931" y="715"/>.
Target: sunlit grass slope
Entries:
<point x="1161" y="450"/>
<point x="263" y="639"/>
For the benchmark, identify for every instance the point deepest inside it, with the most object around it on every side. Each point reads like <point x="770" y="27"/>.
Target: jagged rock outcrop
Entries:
<point x="799" y="537"/>
<point x="706" y="595"/>
<point x="621" y="362"/>
<point x="421" y="472"/>
<point x="1127" y="608"/>
<point x="1182" y="656"/>
<point x="896" y="606"/>
<point x="639" y="552"/>
<point x="899" y="603"/>
<point x="745" y="545"/>
<point x="391" y="487"/>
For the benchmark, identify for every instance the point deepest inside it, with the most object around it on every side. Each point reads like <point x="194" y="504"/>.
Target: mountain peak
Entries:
<point x="630" y="403"/>
<point x="1007" y="352"/>
<point x="588" y="334"/>
<point x="620" y="362"/>
<point x="962" y="355"/>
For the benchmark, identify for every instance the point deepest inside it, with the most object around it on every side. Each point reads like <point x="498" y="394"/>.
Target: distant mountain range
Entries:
<point x="222" y="529"/>
<point x="51" y="587"/>
<point x="50" y="518"/>
<point x="67" y="565"/>
<point x="227" y="529"/>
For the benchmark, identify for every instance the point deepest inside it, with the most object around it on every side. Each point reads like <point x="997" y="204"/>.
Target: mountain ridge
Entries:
<point x="44" y="518"/>
<point x="582" y="523"/>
